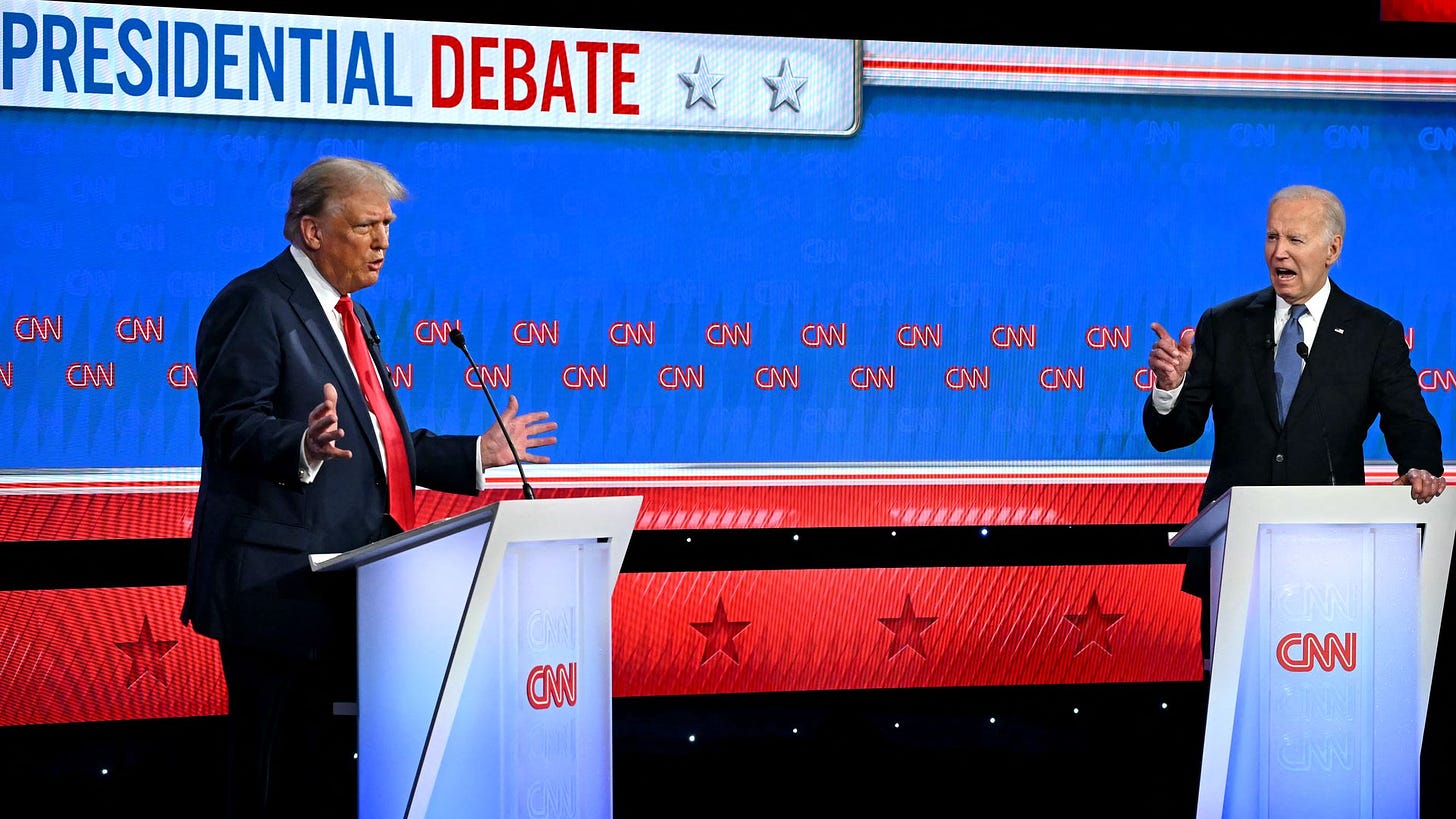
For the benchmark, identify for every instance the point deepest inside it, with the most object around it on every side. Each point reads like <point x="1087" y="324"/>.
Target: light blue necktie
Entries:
<point x="1287" y="363"/>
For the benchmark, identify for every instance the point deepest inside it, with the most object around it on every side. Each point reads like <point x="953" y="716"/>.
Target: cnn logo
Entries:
<point x="1301" y="652"/>
<point x="551" y="686"/>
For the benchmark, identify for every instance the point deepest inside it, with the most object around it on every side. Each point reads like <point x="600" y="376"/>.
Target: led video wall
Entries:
<point x="690" y="249"/>
<point x="763" y="282"/>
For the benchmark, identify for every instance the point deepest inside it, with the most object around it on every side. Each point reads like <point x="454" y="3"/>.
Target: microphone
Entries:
<point x="1303" y="350"/>
<point x="1269" y="342"/>
<point x="458" y="339"/>
<point x="373" y="337"/>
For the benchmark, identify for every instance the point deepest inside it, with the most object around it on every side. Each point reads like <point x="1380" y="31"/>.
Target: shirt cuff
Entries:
<point x="479" y="467"/>
<point x="1163" y="400"/>
<point x="306" y="471"/>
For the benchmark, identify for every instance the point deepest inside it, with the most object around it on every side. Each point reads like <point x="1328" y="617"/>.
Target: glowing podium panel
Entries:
<point x="485" y="661"/>
<point x="1325" y="609"/>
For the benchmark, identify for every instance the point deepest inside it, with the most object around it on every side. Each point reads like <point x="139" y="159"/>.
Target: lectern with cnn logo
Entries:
<point x="485" y="661"/>
<point x="1325" y="610"/>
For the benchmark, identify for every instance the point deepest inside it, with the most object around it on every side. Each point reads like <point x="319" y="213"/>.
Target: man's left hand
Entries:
<point x="528" y="431"/>
<point x="1424" y="486"/>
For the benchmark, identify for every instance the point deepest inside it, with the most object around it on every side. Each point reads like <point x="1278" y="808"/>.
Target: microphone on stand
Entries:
<point x="1303" y="350"/>
<point x="458" y="339"/>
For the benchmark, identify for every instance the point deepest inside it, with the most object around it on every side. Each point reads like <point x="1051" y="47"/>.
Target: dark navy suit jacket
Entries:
<point x="265" y="349"/>
<point x="1358" y="369"/>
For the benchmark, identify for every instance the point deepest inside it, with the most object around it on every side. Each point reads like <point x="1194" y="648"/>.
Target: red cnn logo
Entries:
<point x="1312" y="651"/>
<point x="529" y="333"/>
<point x="488" y="375"/>
<point x="824" y="335"/>
<point x="919" y="335"/>
<point x="551" y="686"/>
<point x="181" y="376"/>
<point x="632" y="334"/>
<point x="1103" y="337"/>
<point x="435" y="332"/>
<point x="38" y="328"/>
<point x="1432" y="380"/>
<point x="146" y="329"/>
<point x="1006" y="336"/>
<point x="584" y="377"/>
<point x="80" y="375"/>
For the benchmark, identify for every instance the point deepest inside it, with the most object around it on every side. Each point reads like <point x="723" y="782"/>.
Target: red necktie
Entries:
<point x="401" y="486"/>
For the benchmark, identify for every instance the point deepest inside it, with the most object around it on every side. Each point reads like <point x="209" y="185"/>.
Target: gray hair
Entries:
<point x="322" y="184"/>
<point x="1334" y="211"/>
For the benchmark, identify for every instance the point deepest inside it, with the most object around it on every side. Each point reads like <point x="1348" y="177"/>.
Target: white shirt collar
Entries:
<point x="327" y="294"/>
<point x="1316" y="305"/>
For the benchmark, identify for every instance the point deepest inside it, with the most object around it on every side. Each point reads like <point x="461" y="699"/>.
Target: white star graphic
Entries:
<point x="785" y="86"/>
<point x="701" y="84"/>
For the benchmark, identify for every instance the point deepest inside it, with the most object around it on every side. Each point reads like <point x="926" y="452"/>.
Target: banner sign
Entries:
<point x="81" y="56"/>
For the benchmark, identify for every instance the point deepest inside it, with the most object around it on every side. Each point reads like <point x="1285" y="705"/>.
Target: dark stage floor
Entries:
<point x="1042" y="751"/>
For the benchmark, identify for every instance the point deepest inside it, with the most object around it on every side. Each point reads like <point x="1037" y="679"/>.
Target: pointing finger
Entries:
<point x="1158" y="328"/>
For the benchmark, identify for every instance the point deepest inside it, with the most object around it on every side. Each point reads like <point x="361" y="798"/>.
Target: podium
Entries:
<point x="485" y="660"/>
<point x="1325" y="608"/>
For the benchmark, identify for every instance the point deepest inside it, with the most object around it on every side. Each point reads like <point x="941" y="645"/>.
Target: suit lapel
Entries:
<point x="353" y="410"/>
<point x="1337" y="326"/>
<point x="1258" y="329"/>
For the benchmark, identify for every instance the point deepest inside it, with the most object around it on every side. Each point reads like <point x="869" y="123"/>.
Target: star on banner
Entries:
<point x="720" y="632"/>
<point x="907" y="628"/>
<point x="785" y="86"/>
<point x="146" y="655"/>
<point x="1093" y="626"/>
<point x="701" y="84"/>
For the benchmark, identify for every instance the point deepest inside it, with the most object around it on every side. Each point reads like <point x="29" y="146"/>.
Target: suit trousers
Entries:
<point x="288" y="753"/>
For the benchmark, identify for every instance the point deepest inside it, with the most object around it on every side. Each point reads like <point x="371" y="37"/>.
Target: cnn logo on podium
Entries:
<point x="1302" y="652"/>
<point x="551" y="686"/>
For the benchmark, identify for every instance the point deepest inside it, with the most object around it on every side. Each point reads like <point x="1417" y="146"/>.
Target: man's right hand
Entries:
<point x="1169" y="359"/>
<point x="323" y="430"/>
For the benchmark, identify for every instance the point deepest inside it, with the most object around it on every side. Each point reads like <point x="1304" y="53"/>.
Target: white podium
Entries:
<point x="1325" y="608"/>
<point x="485" y="660"/>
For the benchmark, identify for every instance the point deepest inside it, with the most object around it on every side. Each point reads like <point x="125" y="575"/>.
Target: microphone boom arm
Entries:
<point x="458" y="339"/>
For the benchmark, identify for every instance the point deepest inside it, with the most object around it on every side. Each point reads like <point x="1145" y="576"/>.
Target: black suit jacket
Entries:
<point x="265" y="349"/>
<point x="1358" y="368"/>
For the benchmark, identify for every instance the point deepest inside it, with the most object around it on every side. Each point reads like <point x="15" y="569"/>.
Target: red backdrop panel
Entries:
<point x="822" y="629"/>
<point x="74" y="655"/>
<point x="81" y="655"/>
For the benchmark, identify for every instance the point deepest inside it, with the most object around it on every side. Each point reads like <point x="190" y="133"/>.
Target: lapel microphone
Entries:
<point x="1303" y="350"/>
<point x="458" y="339"/>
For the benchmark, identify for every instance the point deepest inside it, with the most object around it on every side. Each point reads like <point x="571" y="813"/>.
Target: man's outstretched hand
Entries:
<point x="1169" y="358"/>
<point x="324" y="430"/>
<point x="528" y="431"/>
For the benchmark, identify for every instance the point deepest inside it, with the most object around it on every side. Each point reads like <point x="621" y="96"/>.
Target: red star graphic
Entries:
<point x="720" y="633"/>
<point x="907" y="628"/>
<point x="1093" y="625"/>
<point x="146" y="655"/>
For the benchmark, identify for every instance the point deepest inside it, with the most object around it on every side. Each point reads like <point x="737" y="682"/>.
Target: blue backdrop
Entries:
<point x="980" y="220"/>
